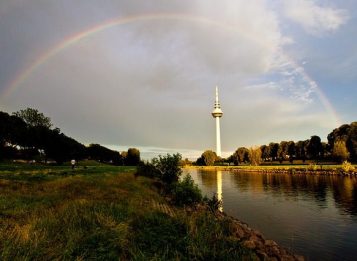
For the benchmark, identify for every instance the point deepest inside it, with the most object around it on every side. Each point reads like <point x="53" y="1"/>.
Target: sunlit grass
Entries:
<point x="104" y="213"/>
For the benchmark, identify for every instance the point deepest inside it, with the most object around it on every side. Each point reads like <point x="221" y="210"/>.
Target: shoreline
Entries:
<point x="250" y="238"/>
<point x="265" y="249"/>
<point x="298" y="170"/>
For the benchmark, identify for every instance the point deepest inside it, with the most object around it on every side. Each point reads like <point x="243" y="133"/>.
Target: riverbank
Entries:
<point x="105" y="212"/>
<point x="285" y="169"/>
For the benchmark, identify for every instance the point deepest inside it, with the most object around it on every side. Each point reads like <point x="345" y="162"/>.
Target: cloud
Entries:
<point x="151" y="82"/>
<point x="314" y="18"/>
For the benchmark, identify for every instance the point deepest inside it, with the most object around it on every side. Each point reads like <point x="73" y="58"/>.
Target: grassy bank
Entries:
<point x="286" y="167"/>
<point x="102" y="212"/>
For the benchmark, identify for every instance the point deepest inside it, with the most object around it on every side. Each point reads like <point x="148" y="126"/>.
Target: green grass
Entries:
<point x="104" y="213"/>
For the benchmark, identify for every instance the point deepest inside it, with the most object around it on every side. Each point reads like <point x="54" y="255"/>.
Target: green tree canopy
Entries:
<point x="255" y="156"/>
<point x="209" y="157"/>
<point x="34" y="118"/>
<point x="283" y="150"/>
<point x="133" y="157"/>
<point x="314" y="147"/>
<point x="273" y="148"/>
<point x="241" y="155"/>
<point x="340" y="151"/>
<point x="265" y="152"/>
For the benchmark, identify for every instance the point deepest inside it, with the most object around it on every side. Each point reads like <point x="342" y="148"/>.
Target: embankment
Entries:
<point x="320" y="170"/>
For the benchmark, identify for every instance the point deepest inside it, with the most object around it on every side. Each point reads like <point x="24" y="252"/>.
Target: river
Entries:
<point x="315" y="216"/>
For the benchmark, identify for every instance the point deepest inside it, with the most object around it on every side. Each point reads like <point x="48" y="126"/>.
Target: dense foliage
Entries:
<point x="103" y="154"/>
<point x="132" y="157"/>
<point x="166" y="169"/>
<point x="186" y="192"/>
<point x="28" y="135"/>
<point x="341" y="146"/>
<point x="208" y="158"/>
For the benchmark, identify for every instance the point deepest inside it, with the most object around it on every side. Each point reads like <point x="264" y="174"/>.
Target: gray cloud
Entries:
<point x="150" y="83"/>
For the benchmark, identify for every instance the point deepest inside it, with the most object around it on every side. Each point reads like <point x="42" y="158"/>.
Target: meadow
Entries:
<point x="102" y="212"/>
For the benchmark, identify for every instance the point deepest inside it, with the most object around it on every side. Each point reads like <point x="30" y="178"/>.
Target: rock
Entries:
<point x="299" y="258"/>
<point x="283" y="252"/>
<point x="238" y="232"/>
<point x="287" y="258"/>
<point x="270" y="243"/>
<point x="273" y="251"/>
<point x="262" y="255"/>
<point x="249" y="244"/>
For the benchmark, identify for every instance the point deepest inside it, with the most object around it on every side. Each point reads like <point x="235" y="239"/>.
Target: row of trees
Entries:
<point x="28" y="134"/>
<point x="341" y="145"/>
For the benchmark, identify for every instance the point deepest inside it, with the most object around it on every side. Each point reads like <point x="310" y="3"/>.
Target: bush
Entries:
<point x="168" y="167"/>
<point x="147" y="170"/>
<point x="347" y="166"/>
<point x="186" y="192"/>
<point x="214" y="203"/>
<point x="312" y="166"/>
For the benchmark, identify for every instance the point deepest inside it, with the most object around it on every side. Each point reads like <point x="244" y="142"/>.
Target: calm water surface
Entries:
<point x="315" y="216"/>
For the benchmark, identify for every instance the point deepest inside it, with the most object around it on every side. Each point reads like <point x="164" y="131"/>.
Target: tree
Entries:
<point x="62" y="148"/>
<point x="282" y="151"/>
<point x="314" y="147"/>
<point x="34" y="118"/>
<point x="255" y="155"/>
<point x="103" y="154"/>
<point x="208" y="158"/>
<point x="352" y="141"/>
<point x="301" y="149"/>
<point x="340" y="133"/>
<point x="241" y="155"/>
<point x="291" y="151"/>
<point x="273" y="148"/>
<point x="265" y="152"/>
<point x="340" y="152"/>
<point x="347" y="133"/>
<point x="133" y="157"/>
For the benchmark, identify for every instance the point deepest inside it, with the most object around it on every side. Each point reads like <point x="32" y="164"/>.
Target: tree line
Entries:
<point x="28" y="134"/>
<point x="341" y="145"/>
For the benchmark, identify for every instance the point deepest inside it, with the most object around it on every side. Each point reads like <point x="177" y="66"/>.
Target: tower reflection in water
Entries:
<point x="219" y="189"/>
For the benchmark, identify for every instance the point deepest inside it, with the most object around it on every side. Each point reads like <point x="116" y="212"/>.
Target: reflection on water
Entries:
<point x="312" y="215"/>
<point x="219" y="188"/>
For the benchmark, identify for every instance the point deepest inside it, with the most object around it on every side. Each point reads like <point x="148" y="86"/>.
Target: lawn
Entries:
<point x="101" y="212"/>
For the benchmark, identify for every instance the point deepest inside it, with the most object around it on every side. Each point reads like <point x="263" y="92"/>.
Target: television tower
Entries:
<point x="217" y="113"/>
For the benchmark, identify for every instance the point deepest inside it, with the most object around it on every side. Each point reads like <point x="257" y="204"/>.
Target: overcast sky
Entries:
<point x="286" y="70"/>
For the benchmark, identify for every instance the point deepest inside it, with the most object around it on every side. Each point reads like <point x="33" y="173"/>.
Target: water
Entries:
<point x="315" y="216"/>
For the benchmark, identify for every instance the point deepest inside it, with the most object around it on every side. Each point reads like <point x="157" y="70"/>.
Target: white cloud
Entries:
<point x="314" y="18"/>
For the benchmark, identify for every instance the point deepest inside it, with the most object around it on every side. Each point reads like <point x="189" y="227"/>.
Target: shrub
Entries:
<point x="147" y="169"/>
<point x="186" y="192"/>
<point x="168" y="167"/>
<point x="214" y="203"/>
<point x="312" y="166"/>
<point x="347" y="166"/>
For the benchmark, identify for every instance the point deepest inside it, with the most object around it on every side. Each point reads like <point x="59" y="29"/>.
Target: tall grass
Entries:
<point x="101" y="213"/>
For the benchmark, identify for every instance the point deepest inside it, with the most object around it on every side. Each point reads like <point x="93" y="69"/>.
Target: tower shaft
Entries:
<point x="218" y="138"/>
<point x="217" y="113"/>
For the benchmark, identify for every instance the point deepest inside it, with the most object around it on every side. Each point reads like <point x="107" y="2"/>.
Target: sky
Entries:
<point x="143" y="73"/>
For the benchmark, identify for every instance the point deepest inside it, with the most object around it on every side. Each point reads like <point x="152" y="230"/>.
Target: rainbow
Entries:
<point x="307" y="78"/>
<point x="73" y="39"/>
